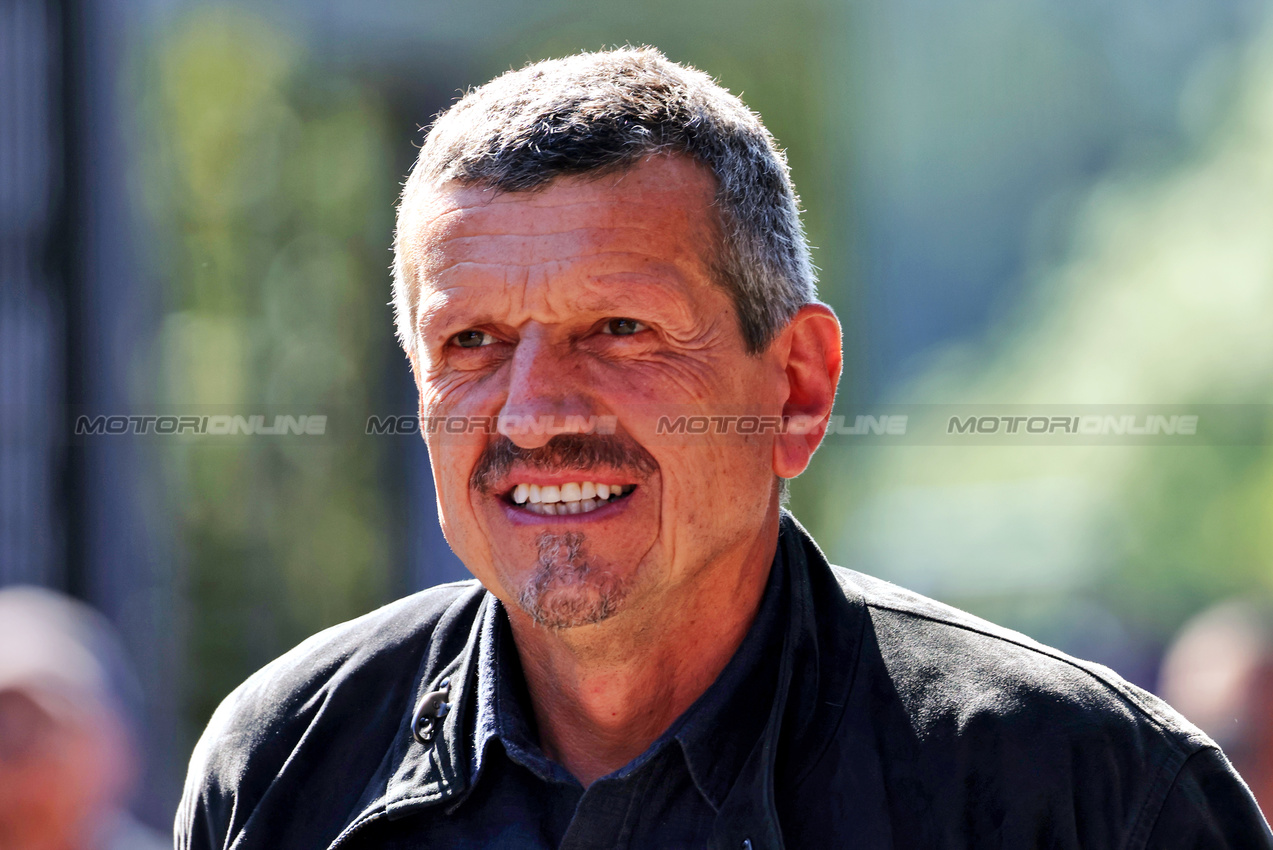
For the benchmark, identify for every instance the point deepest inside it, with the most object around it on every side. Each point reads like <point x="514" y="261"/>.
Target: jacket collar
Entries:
<point x="721" y="729"/>
<point x="820" y="623"/>
<point x="749" y="815"/>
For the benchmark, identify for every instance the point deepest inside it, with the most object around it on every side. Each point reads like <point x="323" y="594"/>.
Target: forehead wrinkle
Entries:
<point x="461" y="222"/>
<point x="632" y="186"/>
<point x="507" y="241"/>
<point x="600" y="263"/>
<point x="571" y="207"/>
<point x="598" y="230"/>
<point x="469" y="237"/>
<point x="441" y="294"/>
<point x="565" y="190"/>
<point x="507" y="233"/>
<point x="514" y="249"/>
<point x="686" y="268"/>
<point x="451" y="227"/>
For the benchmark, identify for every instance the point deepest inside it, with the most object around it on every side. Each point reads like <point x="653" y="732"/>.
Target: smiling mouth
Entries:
<point x="573" y="497"/>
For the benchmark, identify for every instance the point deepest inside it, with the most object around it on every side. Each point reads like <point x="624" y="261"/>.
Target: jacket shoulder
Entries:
<point x="365" y="667"/>
<point x="922" y="640"/>
<point x="959" y="730"/>
<point x="275" y="694"/>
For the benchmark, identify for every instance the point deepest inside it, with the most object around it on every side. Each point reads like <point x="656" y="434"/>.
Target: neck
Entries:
<point x="603" y="693"/>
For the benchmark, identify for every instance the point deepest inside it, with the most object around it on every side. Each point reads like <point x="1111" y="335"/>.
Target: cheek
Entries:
<point x="711" y="502"/>
<point x="661" y="385"/>
<point x="456" y="414"/>
<point x="458" y="422"/>
<point x="453" y="392"/>
<point x="704" y="477"/>
<point x="460" y="523"/>
<point x="704" y="473"/>
<point x="453" y="458"/>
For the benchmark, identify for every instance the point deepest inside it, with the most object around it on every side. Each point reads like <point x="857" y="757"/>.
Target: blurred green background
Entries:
<point x="1010" y="203"/>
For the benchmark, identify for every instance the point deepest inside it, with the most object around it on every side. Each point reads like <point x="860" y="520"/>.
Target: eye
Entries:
<point x="472" y="339"/>
<point x="622" y="327"/>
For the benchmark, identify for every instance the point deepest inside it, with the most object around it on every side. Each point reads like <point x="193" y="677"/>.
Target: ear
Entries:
<point x="812" y="360"/>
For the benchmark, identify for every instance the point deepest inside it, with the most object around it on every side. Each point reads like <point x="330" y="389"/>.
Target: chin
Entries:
<point x="570" y="587"/>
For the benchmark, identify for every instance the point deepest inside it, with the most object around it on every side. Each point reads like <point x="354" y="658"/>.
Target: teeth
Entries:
<point x="573" y="497"/>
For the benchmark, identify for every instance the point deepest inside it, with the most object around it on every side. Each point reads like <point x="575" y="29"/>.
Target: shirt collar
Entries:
<point x="503" y="713"/>
<point x="819" y="623"/>
<point x="716" y="734"/>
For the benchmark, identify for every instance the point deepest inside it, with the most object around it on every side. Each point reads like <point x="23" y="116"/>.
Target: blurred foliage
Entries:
<point x="269" y="184"/>
<point x="1164" y="297"/>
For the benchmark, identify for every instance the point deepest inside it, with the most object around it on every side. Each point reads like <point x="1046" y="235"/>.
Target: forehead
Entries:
<point x="613" y="236"/>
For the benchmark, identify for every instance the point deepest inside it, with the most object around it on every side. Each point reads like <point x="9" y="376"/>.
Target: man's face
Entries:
<point x="589" y="301"/>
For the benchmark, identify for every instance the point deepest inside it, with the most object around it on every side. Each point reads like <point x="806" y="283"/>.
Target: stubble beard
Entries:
<point x="568" y="588"/>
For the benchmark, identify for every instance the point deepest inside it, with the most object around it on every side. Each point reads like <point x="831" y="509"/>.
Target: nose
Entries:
<point x="548" y="393"/>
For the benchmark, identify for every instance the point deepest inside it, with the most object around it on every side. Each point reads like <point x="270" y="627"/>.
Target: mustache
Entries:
<point x="562" y="452"/>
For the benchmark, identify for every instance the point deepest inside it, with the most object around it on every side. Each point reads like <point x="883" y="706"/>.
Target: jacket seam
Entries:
<point x="1171" y="733"/>
<point x="1143" y="826"/>
<point x="354" y="826"/>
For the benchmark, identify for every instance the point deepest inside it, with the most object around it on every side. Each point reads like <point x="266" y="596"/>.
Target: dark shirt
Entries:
<point x="855" y="713"/>
<point x="667" y="797"/>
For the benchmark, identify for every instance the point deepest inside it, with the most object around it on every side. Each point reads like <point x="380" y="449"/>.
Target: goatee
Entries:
<point x="568" y="589"/>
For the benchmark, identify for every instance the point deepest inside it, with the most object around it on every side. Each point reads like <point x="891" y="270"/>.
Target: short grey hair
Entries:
<point x="607" y="111"/>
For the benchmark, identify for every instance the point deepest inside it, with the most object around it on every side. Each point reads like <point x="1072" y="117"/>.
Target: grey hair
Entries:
<point x="607" y="111"/>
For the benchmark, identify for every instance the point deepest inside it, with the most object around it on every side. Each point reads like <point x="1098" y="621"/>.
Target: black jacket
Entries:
<point x="897" y="722"/>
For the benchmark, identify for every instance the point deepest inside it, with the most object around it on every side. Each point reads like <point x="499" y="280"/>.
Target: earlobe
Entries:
<point x="814" y="359"/>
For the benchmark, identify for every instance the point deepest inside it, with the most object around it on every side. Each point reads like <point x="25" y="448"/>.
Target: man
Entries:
<point x="657" y="655"/>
